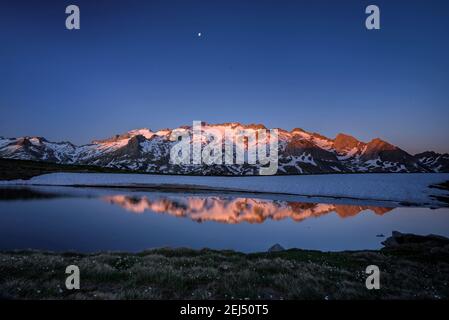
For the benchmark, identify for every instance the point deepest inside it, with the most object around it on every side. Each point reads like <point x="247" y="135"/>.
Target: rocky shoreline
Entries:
<point x="412" y="267"/>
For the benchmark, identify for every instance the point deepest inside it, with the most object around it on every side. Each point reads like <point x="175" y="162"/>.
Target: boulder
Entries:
<point x="412" y="242"/>
<point x="276" y="248"/>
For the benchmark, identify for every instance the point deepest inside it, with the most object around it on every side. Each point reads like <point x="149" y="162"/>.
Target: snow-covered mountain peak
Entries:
<point x="147" y="133"/>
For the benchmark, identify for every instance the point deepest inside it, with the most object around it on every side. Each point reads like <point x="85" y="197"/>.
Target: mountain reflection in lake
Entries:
<point x="118" y="219"/>
<point x="235" y="210"/>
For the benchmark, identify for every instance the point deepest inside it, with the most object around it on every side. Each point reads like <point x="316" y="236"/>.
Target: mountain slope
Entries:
<point x="436" y="161"/>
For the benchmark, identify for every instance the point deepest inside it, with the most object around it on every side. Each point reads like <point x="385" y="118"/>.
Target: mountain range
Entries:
<point x="300" y="152"/>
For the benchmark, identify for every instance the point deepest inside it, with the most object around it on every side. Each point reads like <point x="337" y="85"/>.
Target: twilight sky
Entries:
<point x="308" y="64"/>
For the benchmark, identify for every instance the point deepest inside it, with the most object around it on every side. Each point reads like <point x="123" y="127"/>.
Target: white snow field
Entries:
<point x="411" y="187"/>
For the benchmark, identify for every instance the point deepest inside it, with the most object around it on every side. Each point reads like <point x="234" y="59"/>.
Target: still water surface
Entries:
<point x="92" y="219"/>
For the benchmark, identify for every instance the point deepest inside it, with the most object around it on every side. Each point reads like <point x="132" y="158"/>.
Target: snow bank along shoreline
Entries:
<point x="410" y="188"/>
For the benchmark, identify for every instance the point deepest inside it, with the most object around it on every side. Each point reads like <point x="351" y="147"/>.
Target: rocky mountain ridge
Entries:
<point x="300" y="152"/>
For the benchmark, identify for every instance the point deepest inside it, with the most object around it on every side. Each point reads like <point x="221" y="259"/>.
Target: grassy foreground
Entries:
<point x="208" y="274"/>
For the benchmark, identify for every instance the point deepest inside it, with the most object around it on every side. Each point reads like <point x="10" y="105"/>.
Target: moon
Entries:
<point x="199" y="34"/>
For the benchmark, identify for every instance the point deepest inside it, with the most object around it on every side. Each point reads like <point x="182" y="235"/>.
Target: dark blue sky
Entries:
<point x="308" y="64"/>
